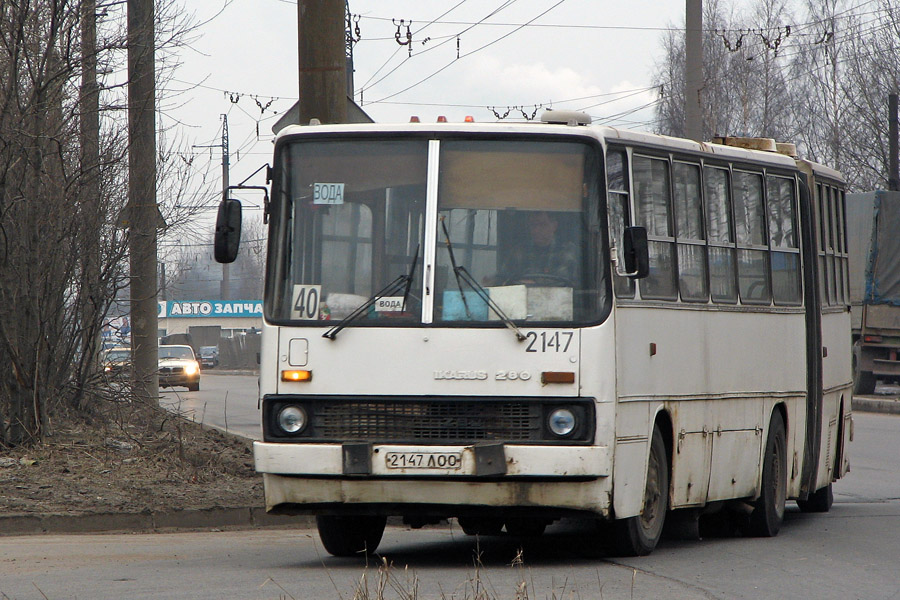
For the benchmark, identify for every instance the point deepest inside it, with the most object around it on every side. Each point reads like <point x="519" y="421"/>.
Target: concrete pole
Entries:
<point x="893" y="143"/>
<point x="89" y="126"/>
<point x="322" y="61"/>
<point x="693" y="70"/>
<point x="225" y="286"/>
<point x="142" y="212"/>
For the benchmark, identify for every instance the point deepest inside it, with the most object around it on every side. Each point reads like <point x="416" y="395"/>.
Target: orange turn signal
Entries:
<point x="300" y="375"/>
<point x="557" y="377"/>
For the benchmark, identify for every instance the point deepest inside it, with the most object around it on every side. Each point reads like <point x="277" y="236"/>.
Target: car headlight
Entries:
<point x="562" y="422"/>
<point x="191" y="369"/>
<point x="292" y="419"/>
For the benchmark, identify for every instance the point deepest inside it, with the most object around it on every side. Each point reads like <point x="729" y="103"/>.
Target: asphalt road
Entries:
<point x="850" y="552"/>
<point x="225" y="401"/>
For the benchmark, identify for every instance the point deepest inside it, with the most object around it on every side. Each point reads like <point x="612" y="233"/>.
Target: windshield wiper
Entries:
<point x="462" y="274"/>
<point x="405" y="280"/>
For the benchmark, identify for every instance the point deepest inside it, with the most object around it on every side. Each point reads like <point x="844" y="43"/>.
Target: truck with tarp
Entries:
<point x="873" y="223"/>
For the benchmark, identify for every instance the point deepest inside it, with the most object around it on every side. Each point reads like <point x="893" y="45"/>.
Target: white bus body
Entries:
<point x="428" y="407"/>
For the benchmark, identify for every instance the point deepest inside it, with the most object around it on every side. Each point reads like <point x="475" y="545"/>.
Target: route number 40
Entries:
<point x="306" y="302"/>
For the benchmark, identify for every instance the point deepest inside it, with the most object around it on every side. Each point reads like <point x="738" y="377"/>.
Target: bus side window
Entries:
<point x="653" y="205"/>
<point x="720" y="235"/>
<point x="692" y="280"/>
<point x="845" y="258"/>
<point x="619" y="214"/>
<point x="785" y="251"/>
<point x="750" y="230"/>
<point x="826" y="274"/>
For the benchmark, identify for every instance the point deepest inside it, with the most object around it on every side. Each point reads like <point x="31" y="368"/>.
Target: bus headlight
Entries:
<point x="562" y="422"/>
<point x="292" y="419"/>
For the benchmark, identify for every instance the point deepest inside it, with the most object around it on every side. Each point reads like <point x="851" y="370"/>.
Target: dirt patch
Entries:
<point x="128" y="459"/>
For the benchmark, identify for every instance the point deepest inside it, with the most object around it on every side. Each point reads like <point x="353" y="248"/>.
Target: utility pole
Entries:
<point x="89" y="125"/>
<point x="893" y="143"/>
<point x="693" y="70"/>
<point x="142" y="213"/>
<point x="224" y="285"/>
<point x="226" y="268"/>
<point x="322" y="61"/>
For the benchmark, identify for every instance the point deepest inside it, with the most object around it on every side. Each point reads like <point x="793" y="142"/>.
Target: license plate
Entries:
<point x="423" y="460"/>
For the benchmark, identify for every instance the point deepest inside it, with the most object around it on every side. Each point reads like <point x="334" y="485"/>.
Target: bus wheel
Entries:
<point x="638" y="536"/>
<point x="350" y="535"/>
<point x="863" y="381"/>
<point x="768" y="510"/>
<point x="525" y="527"/>
<point x="819" y="501"/>
<point x="480" y="526"/>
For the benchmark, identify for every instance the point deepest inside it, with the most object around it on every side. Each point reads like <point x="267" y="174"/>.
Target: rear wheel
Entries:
<point x="863" y="381"/>
<point x="638" y="536"/>
<point x="819" y="501"/>
<point x="768" y="509"/>
<point x="525" y="527"/>
<point x="480" y="525"/>
<point x="350" y="535"/>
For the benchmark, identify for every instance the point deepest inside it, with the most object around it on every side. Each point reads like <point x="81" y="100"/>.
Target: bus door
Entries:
<point x="813" y="339"/>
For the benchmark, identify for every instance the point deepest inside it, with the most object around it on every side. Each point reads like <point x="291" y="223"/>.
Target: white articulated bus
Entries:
<point x="510" y="324"/>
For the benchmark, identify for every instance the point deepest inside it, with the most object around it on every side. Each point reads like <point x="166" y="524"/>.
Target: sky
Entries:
<point x="514" y="58"/>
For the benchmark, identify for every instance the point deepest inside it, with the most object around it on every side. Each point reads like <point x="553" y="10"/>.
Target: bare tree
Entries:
<point x="63" y="249"/>
<point x="824" y="87"/>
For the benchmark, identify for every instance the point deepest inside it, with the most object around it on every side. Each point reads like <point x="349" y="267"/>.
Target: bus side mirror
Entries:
<point x="228" y="231"/>
<point x="636" y="252"/>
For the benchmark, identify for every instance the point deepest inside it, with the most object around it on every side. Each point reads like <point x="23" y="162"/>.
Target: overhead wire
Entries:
<point x="506" y="4"/>
<point x="421" y="81"/>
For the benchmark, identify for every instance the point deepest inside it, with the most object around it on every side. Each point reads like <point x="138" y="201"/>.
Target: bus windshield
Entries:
<point x="518" y="223"/>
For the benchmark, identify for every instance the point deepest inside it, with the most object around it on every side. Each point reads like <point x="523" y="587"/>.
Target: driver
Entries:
<point x="543" y="257"/>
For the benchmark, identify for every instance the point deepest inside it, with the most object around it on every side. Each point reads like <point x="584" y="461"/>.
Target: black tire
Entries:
<point x="480" y="526"/>
<point x="194" y="387"/>
<point x="350" y="535"/>
<point x="525" y="527"/>
<point x="863" y="381"/>
<point x="638" y="536"/>
<point x="768" y="509"/>
<point x="819" y="501"/>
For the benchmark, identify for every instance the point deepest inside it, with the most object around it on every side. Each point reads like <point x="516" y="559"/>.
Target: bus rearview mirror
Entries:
<point x="228" y="231"/>
<point x="637" y="253"/>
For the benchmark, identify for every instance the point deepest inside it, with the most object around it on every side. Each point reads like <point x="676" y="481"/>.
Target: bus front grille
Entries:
<point x="447" y="421"/>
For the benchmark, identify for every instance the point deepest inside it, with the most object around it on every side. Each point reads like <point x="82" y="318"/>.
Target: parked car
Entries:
<point x="209" y="356"/>
<point x="178" y="366"/>
<point x="116" y="361"/>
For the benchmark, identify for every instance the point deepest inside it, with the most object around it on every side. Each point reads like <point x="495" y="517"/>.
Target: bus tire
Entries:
<point x="522" y="527"/>
<point x="768" y="509"/>
<point x="350" y="535"/>
<point x="480" y="525"/>
<point x="819" y="501"/>
<point x="638" y="536"/>
<point x="863" y="381"/>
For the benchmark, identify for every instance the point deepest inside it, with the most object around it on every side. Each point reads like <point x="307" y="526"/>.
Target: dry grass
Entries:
<point x="128" y="457"/>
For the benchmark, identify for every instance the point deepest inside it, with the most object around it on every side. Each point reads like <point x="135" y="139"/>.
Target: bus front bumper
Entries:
<point x="323" y="477"/>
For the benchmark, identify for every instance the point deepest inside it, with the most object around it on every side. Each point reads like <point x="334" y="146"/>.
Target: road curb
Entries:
<point x="148" y="521"/>
<point x="889" y="406"/>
